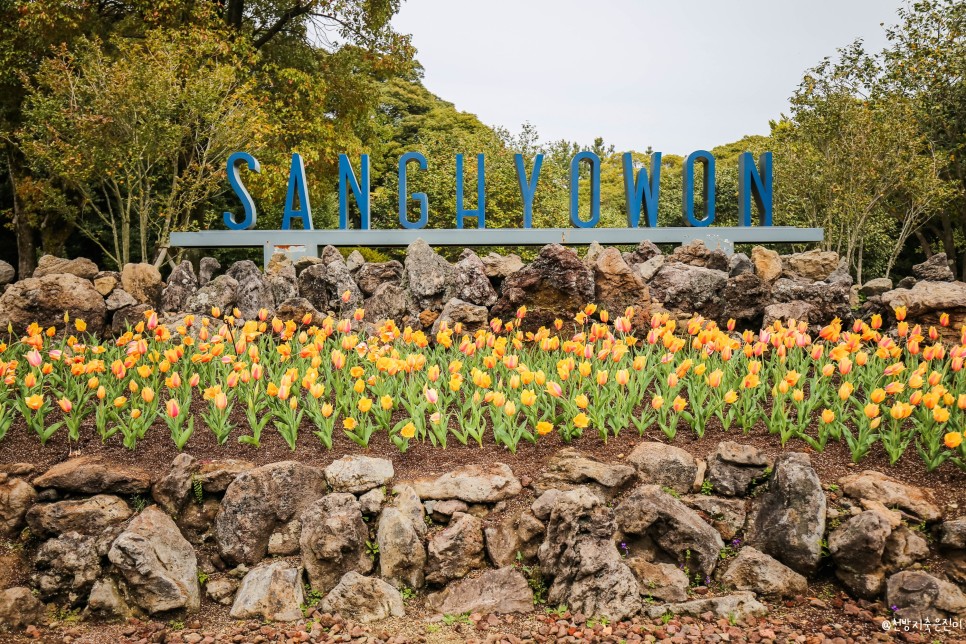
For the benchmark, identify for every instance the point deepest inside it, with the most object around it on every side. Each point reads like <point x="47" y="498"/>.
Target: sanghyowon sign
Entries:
<point x="641" y="188"/>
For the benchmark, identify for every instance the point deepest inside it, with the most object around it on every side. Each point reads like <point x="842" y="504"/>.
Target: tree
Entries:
<point x="852" y="160"/>
<point x="926" y="61"/>
<point x="140" y="137"/>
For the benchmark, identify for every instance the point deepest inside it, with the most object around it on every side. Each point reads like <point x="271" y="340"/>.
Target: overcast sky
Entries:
<point x="676" y="75"/>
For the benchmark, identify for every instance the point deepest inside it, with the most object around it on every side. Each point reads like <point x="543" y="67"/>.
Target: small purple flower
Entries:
<point x="707" y="580"/>
<point x="894" y="608"/>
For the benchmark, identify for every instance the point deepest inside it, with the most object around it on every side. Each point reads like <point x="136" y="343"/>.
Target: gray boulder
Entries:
<point x="217" y="293"/>
<point x="469" y="316"/>
<point x="19" y="609"/>
<point x="207" y="268"/>
<point x="934" y="269"/>
<point x="387" y="303"/>
<point x="371" y="275"/>
<point x="260" y="500"/>
<point x="7" y="273"/>
<point x="16" y="497"/>
<point x="402" y="556"/>
<point x="917" y="596"/>
<point x="499" y="267"/>
<point x="281" y="278"/>
<point x="876" y="486"/>
<point x="324" y="285"/>
<point x="689" y="289"/>
<point x="143" y="282"/>
<point x="876" y="287"/>
<point x="651" y="512"/>
<point x="789" y="520"/>
<point x="733" y="468"/>
<point x="455" y="551"/>
<point x="755" y="571"/>
<point x="664" y="465"/>
<point x="46" y="299"/>
<point x="333" y="540"/>
<point x="472" y="283"/>
<point x="159" y="566"/>
<point x="471" y="483"/>
<point x="80" y="267"/>
<point x="67" y="565"/>
<point x="252" y="292"/>
<point x="495" y="591"/>
<point x="569" y="468"/>
<point x="555" y="285"/>
<point x="86" y="516"/>
<point x="736" y="606"/>
<point x="181" y="285"/>
<point x="660" y="581"/>
<point x="270" y="591"/>
<point x="363" y="599"/>
<point x="429" y="278"/>
<point x="357" y="474"/>
<point x="516" y="534"/>
<point x="588" y="573"/>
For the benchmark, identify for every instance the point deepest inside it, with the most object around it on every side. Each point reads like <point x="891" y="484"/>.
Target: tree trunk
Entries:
<point x="26" y="245"/>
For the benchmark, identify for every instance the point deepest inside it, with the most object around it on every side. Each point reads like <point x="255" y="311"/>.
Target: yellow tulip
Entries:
<point x="828" y="416"/>
<point x="34" y="401"/>
<point x="364" y="405"/>
<point x="953" y="439"/>
<point x="408" y="430"/>
<point x="581" y="420"/>
<point x="544" y="428"/>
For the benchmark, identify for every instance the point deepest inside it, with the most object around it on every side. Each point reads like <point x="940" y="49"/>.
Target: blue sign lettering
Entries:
<point x="234" y="180"/>
<point x="707" y="161"/>
<point x="347" y="180"/>
<point x="480" y="212"/>
<point x="594" y="190"/>
<point x="751" y="183"/>
<point x="297" y="186"/>
<point x="527" y="187"/>
<point x="419" y="196"/>
<point x="642" y="190"/>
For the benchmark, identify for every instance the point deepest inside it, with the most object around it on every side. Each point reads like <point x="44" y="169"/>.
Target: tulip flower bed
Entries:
<point x="590" y="375"/>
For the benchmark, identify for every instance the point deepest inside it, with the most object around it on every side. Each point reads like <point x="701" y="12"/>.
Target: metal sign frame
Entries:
<point x="298" y="243"/>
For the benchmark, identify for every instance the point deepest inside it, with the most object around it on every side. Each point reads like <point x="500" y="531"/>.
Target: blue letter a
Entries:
<point x="296" y="184"/>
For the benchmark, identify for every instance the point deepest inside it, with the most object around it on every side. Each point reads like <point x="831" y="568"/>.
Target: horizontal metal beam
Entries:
<point x="496" y="236"/>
